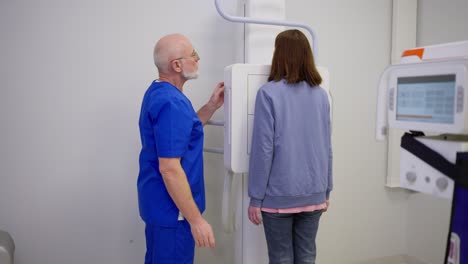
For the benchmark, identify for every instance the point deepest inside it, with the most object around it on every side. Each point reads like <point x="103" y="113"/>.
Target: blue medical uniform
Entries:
<point x="169" y="128"/>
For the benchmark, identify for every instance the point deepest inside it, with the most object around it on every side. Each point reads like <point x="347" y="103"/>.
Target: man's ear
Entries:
<point x="176" y="65"/>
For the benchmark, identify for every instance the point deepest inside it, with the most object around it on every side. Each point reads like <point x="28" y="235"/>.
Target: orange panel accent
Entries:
<point x="414" y="52"/>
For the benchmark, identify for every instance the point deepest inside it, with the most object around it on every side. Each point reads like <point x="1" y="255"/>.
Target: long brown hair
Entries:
<point x="293" y="59"/>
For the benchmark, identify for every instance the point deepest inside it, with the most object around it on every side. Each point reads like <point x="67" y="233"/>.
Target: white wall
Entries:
<point x="72" y="75"/>
<point x="441" y="21"/>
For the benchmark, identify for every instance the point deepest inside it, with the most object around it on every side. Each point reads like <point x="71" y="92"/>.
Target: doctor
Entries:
<point x="171" y="191"/>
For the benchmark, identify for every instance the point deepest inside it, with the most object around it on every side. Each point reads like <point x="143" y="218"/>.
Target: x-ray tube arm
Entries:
<point x="238" y="19"/>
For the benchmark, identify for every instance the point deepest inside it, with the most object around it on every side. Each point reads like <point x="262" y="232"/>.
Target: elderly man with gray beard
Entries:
<point x="170" y="184"/>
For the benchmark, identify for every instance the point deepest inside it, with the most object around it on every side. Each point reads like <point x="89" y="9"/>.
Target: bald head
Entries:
<point x="168" y="48"/>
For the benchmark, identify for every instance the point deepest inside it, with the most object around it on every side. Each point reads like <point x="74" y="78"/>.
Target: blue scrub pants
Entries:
<point x="169" y="245"/>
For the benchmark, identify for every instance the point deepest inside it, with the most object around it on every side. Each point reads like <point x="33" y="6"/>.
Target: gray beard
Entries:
<point x="190" y="75"/>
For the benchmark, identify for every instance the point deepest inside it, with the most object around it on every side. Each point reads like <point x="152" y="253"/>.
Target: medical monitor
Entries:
<point x="429" y="97"/>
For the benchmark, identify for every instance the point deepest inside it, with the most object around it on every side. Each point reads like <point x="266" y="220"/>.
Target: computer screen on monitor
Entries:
<point x="428" y="99"/>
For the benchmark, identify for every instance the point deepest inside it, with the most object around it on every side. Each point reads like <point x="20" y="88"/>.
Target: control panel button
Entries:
<point x="460" y="98"/>
<point x="442" y="183"/>
<point x="411" y="176"/>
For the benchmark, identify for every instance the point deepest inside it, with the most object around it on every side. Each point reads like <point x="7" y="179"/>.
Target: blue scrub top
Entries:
<point x="169" y="128"/>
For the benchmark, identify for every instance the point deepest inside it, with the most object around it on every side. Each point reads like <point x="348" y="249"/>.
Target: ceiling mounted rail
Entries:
<point x="238" y="19"/>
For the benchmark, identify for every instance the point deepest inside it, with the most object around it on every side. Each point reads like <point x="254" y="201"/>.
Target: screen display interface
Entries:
<point x="429" y="99"/>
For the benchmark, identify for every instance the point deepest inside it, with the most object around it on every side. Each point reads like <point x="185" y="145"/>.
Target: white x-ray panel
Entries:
<point x="242" y="82"/>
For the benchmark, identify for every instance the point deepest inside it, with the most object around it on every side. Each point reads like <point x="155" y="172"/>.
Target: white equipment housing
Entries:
<point x="427" y="92"/>
<point x="7" y="248"/>
<point x="416" y="175"/>
<point x="429" y="96"/>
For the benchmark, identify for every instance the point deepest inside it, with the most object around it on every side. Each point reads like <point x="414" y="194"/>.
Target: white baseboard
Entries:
<point x="398" y="259"/>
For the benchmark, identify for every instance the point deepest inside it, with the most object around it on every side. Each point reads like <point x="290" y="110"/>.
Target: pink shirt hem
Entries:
<point x="308" y="208"/>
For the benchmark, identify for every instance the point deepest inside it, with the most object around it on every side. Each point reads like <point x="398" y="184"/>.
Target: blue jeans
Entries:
<point x="169" y="245"/>
<point x="291" y="237"/>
